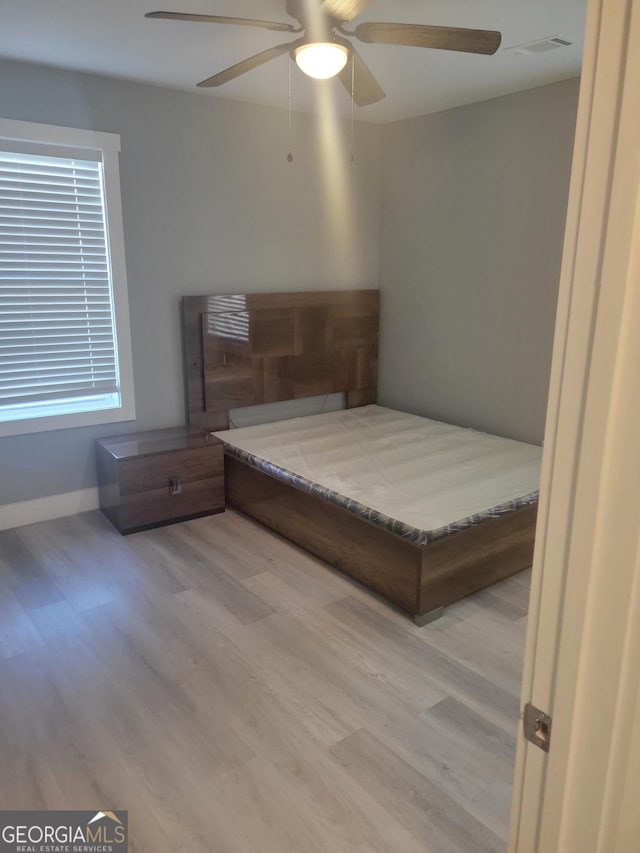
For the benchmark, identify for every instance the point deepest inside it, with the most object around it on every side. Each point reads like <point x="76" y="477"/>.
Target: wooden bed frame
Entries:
<point x="246" y="349"/>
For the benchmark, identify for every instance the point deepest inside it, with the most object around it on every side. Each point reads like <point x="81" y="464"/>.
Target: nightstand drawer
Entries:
<point x="156" y="473"/>
<point x="159" y="505"/>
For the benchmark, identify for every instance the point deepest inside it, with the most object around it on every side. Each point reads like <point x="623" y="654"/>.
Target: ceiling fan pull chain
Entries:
<point x="290" y="155"/>
<point x="353" y="91"/>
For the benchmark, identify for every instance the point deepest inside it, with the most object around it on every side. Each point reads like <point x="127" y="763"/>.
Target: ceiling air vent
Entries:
<point x="539" y="46"/>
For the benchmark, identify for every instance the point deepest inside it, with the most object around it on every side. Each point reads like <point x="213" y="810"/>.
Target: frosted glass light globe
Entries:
<point x="322" y="60"/>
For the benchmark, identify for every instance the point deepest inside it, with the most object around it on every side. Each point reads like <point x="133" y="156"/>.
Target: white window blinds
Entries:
<point x="57" y="330"/>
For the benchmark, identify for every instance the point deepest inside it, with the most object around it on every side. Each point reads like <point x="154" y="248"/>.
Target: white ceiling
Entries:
<point x="112" y="37"/>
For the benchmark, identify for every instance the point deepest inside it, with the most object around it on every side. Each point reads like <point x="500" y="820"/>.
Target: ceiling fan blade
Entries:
<point x="218" y="19"/>
<point x="366" y="90"/>
<point x="345" y="10"/>
<point x="440" y="38"/>
<point x="246" y="65"/>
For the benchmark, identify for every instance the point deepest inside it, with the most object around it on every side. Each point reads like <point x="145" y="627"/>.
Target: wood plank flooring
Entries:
<point x="237" y="695"/>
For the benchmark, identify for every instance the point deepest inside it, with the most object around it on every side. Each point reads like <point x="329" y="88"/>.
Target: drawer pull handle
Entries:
<point x="175" y="486"/>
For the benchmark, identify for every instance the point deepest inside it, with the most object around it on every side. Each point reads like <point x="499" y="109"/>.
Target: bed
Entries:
<point x="422" y="512"/>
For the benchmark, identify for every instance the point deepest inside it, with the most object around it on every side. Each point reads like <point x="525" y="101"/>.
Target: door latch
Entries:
<point x="537" y="726"/>
<point x="175" y="486"/>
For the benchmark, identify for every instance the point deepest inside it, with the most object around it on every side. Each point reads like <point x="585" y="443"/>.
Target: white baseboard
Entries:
<point x="44" y="509"/>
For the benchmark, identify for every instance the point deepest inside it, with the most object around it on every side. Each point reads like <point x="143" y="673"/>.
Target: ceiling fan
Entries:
<point x="323" y="52"/>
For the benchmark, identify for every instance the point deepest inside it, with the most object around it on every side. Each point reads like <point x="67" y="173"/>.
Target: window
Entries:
<point x="65" y="351"/>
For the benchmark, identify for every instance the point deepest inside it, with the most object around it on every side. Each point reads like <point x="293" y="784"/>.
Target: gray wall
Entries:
<point x="210" y="205"/>
<point x="462" y="210"/>
<point x="473" y="209"/>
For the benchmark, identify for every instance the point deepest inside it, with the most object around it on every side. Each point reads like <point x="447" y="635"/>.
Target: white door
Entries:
<point x="582" y="662"/>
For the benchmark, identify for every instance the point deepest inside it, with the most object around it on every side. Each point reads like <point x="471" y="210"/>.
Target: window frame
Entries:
<point x="108" y="144"/>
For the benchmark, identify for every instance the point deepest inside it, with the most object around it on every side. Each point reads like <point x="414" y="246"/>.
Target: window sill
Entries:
<point x="24" y="426"/>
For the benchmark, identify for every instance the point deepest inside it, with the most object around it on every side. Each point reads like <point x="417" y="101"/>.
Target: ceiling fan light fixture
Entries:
<point x="321" y="60"/>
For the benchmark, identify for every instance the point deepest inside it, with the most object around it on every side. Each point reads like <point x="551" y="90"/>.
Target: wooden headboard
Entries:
<point x="245" y="349"/>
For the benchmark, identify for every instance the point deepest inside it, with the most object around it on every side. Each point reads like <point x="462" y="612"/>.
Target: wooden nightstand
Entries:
<point x="152" y="478"/>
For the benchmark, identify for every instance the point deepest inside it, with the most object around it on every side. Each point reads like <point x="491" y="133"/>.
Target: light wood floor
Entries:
<point x="238" y="696"/>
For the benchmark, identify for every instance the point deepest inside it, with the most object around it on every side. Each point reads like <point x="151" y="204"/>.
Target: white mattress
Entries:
<point x="422" y="478"/>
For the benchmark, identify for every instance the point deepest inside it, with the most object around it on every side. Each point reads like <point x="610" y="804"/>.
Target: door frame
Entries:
<point x="580" y="662"/>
